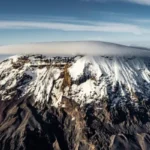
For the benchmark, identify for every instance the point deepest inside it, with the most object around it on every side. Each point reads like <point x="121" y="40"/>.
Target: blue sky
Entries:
<point x="119" y="21"/>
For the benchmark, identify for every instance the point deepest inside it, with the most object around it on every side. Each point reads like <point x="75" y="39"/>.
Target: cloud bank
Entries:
<point x="73" y="48"/>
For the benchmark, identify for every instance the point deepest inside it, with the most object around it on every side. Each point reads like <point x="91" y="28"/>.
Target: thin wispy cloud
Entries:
<point x="142" y="2"/>
<point x="145" y="21"/>
<point x="85" y="26"/>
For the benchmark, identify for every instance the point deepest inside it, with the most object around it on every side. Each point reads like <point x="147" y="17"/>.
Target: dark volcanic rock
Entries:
<point x="54" y="104"/>
<point x="25" y="126"/>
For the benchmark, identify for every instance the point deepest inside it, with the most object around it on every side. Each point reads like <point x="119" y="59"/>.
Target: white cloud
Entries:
<point x="142" y="2"/>
<point x="73" y="48"/>
<point x="82" y="26"/>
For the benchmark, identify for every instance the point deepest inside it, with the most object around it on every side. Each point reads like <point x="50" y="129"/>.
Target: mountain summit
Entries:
<point x="80" y="102"/>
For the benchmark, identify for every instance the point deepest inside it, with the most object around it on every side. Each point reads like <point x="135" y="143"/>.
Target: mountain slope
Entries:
<point x="75" y="102"/>
<point x="88" y="78"/>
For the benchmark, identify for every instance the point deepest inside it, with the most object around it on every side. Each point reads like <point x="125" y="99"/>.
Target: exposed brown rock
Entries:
<point x="24" y="126"/>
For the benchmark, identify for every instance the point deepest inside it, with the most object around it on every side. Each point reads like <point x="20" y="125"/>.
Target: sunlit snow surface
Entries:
<point x="119" y="76"/>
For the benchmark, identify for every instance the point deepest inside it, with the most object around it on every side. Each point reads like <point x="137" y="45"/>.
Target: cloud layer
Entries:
<point x="73" y="48"/>
<point x="82" y="26"/>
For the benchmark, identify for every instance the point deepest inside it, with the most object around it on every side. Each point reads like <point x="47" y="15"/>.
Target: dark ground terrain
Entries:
<point x="25" y="125"/>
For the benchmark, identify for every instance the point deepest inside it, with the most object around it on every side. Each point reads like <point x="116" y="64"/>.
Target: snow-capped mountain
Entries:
<point x="83" y="79"/>
<point x="76" y="102"/>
